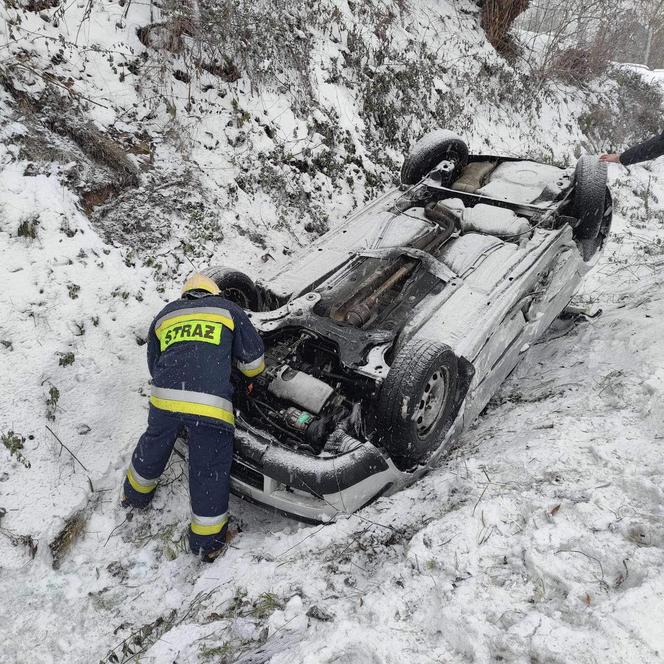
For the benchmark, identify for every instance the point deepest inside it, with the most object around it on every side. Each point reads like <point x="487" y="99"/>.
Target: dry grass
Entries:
<point x="65" y="539"/>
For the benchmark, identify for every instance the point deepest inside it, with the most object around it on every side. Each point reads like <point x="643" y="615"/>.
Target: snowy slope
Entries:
<point x="540" y="539"/>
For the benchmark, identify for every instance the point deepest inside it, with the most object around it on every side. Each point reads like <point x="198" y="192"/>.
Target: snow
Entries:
<point x="538" y="539"/>
<point x="469" y="249"/>
<point x="521" y="181"/>
<point x="491" y="220"/>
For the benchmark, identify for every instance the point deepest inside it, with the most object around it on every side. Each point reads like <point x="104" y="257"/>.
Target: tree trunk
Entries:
<point x="648" y="48"/>
<point x="496" y="19"/>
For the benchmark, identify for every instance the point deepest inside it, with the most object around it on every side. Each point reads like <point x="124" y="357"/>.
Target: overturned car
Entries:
<point x="392" y="331"/>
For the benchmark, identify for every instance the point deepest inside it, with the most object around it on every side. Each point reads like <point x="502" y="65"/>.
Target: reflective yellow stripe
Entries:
<point x="252" y="368"/>
<point x="215" y="318"/>
<point x="199" y="529"/>
<point x="253" y="372"/>
<point x="193" y="409"/>
<point x="136" y="486"/>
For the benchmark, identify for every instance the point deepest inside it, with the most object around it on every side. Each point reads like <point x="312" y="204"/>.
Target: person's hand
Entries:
<point x="610" y="158"/>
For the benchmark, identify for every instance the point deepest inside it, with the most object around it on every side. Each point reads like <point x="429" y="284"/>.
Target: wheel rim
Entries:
<point x="432" y="402"/>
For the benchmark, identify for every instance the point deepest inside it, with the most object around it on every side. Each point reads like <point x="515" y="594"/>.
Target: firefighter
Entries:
<point x="193" y="344"/>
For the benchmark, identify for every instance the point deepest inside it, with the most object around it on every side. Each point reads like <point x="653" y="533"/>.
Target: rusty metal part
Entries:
<point x="360" y="313"/>
<point x="441" y="215"/>
<point x="377" y="278"/>
<point x="359" y="310"/>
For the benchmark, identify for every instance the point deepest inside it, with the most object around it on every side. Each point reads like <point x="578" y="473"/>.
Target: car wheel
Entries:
<point x="429" y="151"/>
<point x="590" y="204"/>
<point x="417" y="401"/>
<point x="605" y="226"/>
<point x="235" y="286"/>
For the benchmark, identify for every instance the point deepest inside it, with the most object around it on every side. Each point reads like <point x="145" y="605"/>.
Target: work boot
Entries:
<point x="126" y="503"/>
<point x="133" y="498"/>
<point x="211" y="556"/>
<point x="233" y="529"/>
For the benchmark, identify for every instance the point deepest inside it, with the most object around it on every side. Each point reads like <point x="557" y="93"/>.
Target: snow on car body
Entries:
<point x="392" y="331"/>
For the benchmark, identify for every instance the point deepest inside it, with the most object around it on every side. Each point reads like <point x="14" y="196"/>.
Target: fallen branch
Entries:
<point x="52" y="80"/>
<point x="587" y="555"/>
<point x="68" y="450"/>
<point x="126" y="519"/>
<point x="486" y="486"/>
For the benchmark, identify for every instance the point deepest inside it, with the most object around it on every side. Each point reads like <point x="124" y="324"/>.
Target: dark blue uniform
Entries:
<point x="192" y="346"/>
<point x="650" y="149"/>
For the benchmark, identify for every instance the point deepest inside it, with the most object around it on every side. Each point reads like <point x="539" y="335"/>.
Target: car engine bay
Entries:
<point x="306" y="398"/>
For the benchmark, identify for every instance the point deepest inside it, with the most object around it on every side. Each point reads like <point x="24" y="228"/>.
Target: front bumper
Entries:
<point x="309" y="488"/>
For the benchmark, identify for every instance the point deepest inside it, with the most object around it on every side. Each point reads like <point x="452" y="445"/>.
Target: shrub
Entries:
<point x="28" y="227"/>
<point x="634" y="114"/>
<point x="579" y="65"/>
<point x="52" y="402"/>
<point x="14" y="442"/>
<point x="66" y="359"/>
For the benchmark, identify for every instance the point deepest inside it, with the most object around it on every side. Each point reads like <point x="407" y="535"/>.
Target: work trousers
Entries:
<point x="210" y="457"/>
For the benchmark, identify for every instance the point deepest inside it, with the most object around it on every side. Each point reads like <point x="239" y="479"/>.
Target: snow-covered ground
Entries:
<point x="539" y="539"/>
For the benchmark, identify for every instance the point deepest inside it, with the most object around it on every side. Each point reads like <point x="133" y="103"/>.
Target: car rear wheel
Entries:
<point x="429" y="151"/>
<point x="235" y="286"/>
<point x="417" y="401"/>
<point x="591" y="204"/>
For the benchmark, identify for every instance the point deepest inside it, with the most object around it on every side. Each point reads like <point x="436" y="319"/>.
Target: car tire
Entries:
<point x="429" y="151"/>
<point x="591" y="247"/>
<point x="417" y="402"/>
<point x="590" y="203"/>
<point x="235" y="286"/>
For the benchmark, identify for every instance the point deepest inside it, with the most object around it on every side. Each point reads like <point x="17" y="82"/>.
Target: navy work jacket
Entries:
<point x="192" y="346"/>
